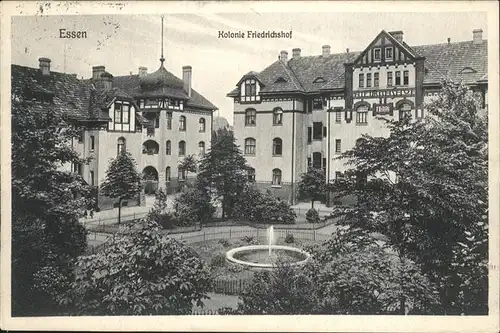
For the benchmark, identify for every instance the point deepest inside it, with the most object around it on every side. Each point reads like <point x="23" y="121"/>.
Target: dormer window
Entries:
<point x="468" y="70"/>
<point x="280" y="80"/>
<point x="319" y="80"/>
<point x="250" y="88"/>
<point x="389" y="53"/>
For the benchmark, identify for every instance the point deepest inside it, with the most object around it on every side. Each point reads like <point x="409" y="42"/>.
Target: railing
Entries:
<point x="230" y="287"/>
<point x="204" y="312"/>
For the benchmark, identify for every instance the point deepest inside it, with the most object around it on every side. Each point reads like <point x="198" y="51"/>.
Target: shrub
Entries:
<point x="289" y="238"/>
<point x="193" y="206"/>
<point x="312" y="216"/>
<point x="250" y="240"/>
<point x="219" y="260"/>
<point x="224" y="242"/>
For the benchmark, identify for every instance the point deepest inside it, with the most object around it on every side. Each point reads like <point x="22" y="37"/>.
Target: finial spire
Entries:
<point x="162" y="59"/>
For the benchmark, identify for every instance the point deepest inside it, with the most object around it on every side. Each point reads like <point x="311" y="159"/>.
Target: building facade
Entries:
<point x="157" y="117"/>
<point x="305" y="111"/>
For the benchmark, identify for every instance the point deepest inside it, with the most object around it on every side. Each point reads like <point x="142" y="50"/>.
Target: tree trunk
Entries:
<point x="312" y="204"/>
<point x="119" y="210"/>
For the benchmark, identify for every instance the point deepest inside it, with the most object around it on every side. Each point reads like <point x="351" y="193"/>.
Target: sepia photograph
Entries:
<point x="260" y="163"/>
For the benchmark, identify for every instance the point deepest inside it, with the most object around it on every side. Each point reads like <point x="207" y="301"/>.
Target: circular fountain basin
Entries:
<point x="257" y="256"/>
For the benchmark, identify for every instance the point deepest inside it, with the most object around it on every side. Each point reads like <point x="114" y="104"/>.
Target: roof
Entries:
<point x="161" y="83"/>
<point x="442" y="61"/>
<point x="76" y="99"/>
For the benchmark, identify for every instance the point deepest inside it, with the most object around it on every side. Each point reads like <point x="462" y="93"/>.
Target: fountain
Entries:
<point x="265" y="256"/>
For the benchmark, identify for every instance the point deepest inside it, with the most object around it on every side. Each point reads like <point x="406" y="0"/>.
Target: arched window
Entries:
<point x="278" y="116"/>
<point x="168" y="149"/>
<point x="362" y="114"/>
<point x="404" y="111"/>
<point x="120" y="146"/>
<point x="182" y="123"/>
<point x="250" y="146"/>
<point x="169" y="120"/>
<point x="201" y="148"/>
<point x="150" y="147"/>
<point x="251" y="174"/>
<point x="182" y="148"/>
<point x="277" y="147"/>
<point x="276" y="177"/>
<point x="250" y="117"/>
<point x="167" y="174"/>
<point x="202" y="125"/>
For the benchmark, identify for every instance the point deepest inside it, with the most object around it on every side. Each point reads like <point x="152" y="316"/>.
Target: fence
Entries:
<point x="204" y="312"/>
<point x="230" y="287"/>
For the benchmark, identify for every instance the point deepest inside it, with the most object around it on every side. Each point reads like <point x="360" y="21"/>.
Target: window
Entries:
<point x="150" y="147"/>
<point x="361" y="80"/>
<point x="250" y="88"/>
<point x="404" y="111"/>
<point x="316" y="160"/>
<point x="368" y="80"/>
<point x="377" y="54"/>
<point x="122" y="113"/>
<point x="157" y="120"/>
<point x="201" y="148"/>
<point x="182" y="123"/>
<point x="398" y="78"/>
<point x="250" y="117"/>
<point x="338" y="175"/>
<point x="202" y="125"/>
<point x="276" y="177"/>
<point x="182" y="175"/>
<point x="169" y="120"/>
<point x="251" y="175"/>
<point x="324" y="131"/>
<point x="167" y="174"/>
<point x="317" y="103"/>
<point x="182" y="148"/>
<point x="309" y="162"/>
<point x="77" y="168"/>
<point x="91" y="178"/>
<point x="92" y="143"/>
<point x="361" y="114"/>
<point x="120" y="146"/>
<point x="338" y="116"/>
<point x="81" y="136"/>
<point x="419" y="113"/>
<point x="406" y="78"/>
<point x="389" y="53"/>
<point x="338" y="146"/>
<point x="250" y="146"/>
<point x="168" y="148"/>
<point x="317" y="131"/>
<point x="376" y="80"/>
<point x="389" y="79"/>
<point x="278" y="116"/>
<point x="309" y="134"/>
<point x="277" y="147"/>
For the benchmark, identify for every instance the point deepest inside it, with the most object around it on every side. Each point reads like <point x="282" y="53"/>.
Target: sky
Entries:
<point x="122" y="43"/>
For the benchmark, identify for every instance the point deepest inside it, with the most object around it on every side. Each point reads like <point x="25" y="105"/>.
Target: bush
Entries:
<point x="289" y="239"/>
<point x="250" y="240"/>
<point x="312" y="216"/>
<point x="193" y="206"/>
<point x="224" y="242"/>
<point x="219" y="260"/>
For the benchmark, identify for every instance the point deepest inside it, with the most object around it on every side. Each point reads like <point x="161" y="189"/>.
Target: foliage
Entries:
<point x="280" y="291"/>
<point x="261" y="207"/>
<point x="188" y="164"/>
<point x="122" y="179"/>
<point x="250" y="240"/>
<point x="289" y="239"/>
<point x="193" y="206"/>
<point x="312" y="185"/>
<point x="312" y="216"/>
<point x="47" y="201"/>
<point x="222" y="171"/>
<point x="224" y="242"/>
<point x="218" y="260"/>
<point x="159" y="213"/>
<point x="140" y="273"/>
<point x="424" y="187"/>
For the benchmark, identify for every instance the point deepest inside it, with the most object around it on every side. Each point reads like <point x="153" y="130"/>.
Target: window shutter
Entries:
<point x="309" y="134"/>
<point x="324" y="131"/>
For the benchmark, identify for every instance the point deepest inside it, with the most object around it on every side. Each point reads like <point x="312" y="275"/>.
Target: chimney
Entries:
<point x="477" y="36"/>
<point x="284" y="56"/>
<point x="44" y="66"/>
<point x="326" y="50"/>
<point x="143" y="71"/>
<point x="107" y="80"/>
<point x="296" y="53"/>
<point x="398" y="35"/>
<point x="187" y="73"/>
<point x="97" y="71"/>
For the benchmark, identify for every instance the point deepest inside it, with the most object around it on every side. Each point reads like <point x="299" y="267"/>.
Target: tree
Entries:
<point x="139" y="273"/>
<point x="193" y="206"/>
<point x="188" y="164"/>
<point x="425" y="188"/>
<point x="122" y="180"/>
<point x="47" y="202"/>
<point x="312" y="185"/>
<point x="223" y="170"/>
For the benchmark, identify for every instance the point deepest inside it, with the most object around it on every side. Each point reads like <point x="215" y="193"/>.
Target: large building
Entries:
<point x="157" y="117"/>
<point x="306" y="110"/>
